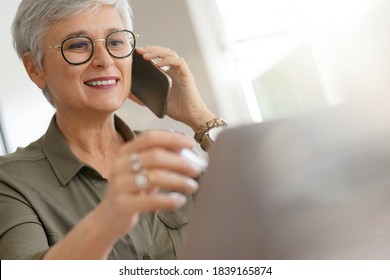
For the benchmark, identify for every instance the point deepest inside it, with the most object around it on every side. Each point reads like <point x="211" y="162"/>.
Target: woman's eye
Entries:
<point x="115" y="43"/>
<point x="78" y="46"/>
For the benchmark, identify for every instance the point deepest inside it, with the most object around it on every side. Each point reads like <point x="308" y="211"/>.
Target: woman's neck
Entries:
<point x="94" y="141"/>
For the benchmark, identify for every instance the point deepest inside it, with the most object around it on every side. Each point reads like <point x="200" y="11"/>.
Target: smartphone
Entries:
<point x="150" y="84"/>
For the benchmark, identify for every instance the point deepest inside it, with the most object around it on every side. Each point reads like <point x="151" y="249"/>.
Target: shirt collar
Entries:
<point x="61" y="158"/>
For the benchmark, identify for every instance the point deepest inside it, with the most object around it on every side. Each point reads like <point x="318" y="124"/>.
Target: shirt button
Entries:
<point x="147" y="257"/>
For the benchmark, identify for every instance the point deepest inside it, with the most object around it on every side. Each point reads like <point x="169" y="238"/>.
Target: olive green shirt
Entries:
<point x="45" y="190"/>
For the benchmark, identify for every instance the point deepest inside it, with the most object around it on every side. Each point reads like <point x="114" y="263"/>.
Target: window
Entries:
<point x="280" y="52"/>
<point x="273" y="55"/>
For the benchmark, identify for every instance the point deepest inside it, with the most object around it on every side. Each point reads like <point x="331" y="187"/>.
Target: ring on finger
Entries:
<point x="134" y="162"/>
<point x="144" y="179"/>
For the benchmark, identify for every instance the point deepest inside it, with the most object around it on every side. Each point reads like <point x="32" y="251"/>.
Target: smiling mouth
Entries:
<point x="101" y="83"/>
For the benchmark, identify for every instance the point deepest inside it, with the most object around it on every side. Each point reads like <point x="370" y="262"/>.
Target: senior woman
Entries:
<point x="89" y="188"/>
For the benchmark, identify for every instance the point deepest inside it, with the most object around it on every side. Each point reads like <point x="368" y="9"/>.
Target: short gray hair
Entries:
<point x="34" y="17"/>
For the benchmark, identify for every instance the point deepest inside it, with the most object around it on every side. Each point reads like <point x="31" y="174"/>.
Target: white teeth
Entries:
<point x="101" y="83"/>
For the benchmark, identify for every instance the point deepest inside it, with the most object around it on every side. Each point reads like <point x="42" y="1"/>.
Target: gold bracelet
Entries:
<point x="204" y="128"/>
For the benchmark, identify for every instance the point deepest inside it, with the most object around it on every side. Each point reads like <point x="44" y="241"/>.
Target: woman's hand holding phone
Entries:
<point x="185" y="103"/>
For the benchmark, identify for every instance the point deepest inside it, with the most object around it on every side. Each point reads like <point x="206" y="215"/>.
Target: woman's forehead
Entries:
<point x="102" y="21"/>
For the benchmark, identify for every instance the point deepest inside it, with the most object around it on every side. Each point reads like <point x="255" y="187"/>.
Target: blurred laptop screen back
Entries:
<point x="310" y="187"/>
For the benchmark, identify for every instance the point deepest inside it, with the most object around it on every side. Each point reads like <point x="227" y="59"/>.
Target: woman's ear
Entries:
<point x="34" y="71"/>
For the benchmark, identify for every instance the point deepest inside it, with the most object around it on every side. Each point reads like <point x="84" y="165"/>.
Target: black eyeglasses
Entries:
<point x="79" y="49"/>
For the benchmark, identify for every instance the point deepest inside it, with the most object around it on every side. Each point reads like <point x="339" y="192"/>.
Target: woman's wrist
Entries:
<point x="87" y="240"/>
<point x="200" y="119"/>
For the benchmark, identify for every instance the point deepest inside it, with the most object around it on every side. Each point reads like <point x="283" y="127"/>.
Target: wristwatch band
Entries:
<point x="202" y="134"/>
<point x="207" y="126"/>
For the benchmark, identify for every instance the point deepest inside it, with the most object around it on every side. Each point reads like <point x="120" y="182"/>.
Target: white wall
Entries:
<point x="25" y="113"/>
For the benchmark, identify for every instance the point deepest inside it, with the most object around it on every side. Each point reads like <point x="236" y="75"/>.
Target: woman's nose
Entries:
<point x="101" y="57"/>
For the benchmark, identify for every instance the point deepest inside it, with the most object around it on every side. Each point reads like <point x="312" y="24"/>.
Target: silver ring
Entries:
<point x="134" y="162"/>
<point x="143" y="179"/>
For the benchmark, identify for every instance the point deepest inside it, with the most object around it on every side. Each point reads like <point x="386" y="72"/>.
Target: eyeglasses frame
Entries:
<point x="93" y="46"/>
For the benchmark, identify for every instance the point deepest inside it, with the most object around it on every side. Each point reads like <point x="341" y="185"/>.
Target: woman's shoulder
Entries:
<point x="22" y="155"/>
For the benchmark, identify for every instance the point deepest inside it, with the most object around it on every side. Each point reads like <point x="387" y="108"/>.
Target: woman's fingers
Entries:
<point x="169" y="61"/>
<point x="157" y="201"/>
<point x="151" y="52"/>
<point x="163" y="159"/>
<point x="154" y="161"/>
<point x="154" y="179"/>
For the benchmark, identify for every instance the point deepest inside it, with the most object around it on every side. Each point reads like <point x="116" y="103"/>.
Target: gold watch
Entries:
<point x="207" y="132"/>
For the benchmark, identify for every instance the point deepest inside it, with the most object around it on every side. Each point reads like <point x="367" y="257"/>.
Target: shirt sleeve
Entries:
<point x="21" y="233"/>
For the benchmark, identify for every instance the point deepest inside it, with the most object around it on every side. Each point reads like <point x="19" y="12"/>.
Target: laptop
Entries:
<point x="315" y="186"/>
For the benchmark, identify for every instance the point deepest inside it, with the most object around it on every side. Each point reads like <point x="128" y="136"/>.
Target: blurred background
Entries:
<point x="253" y="60"/>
